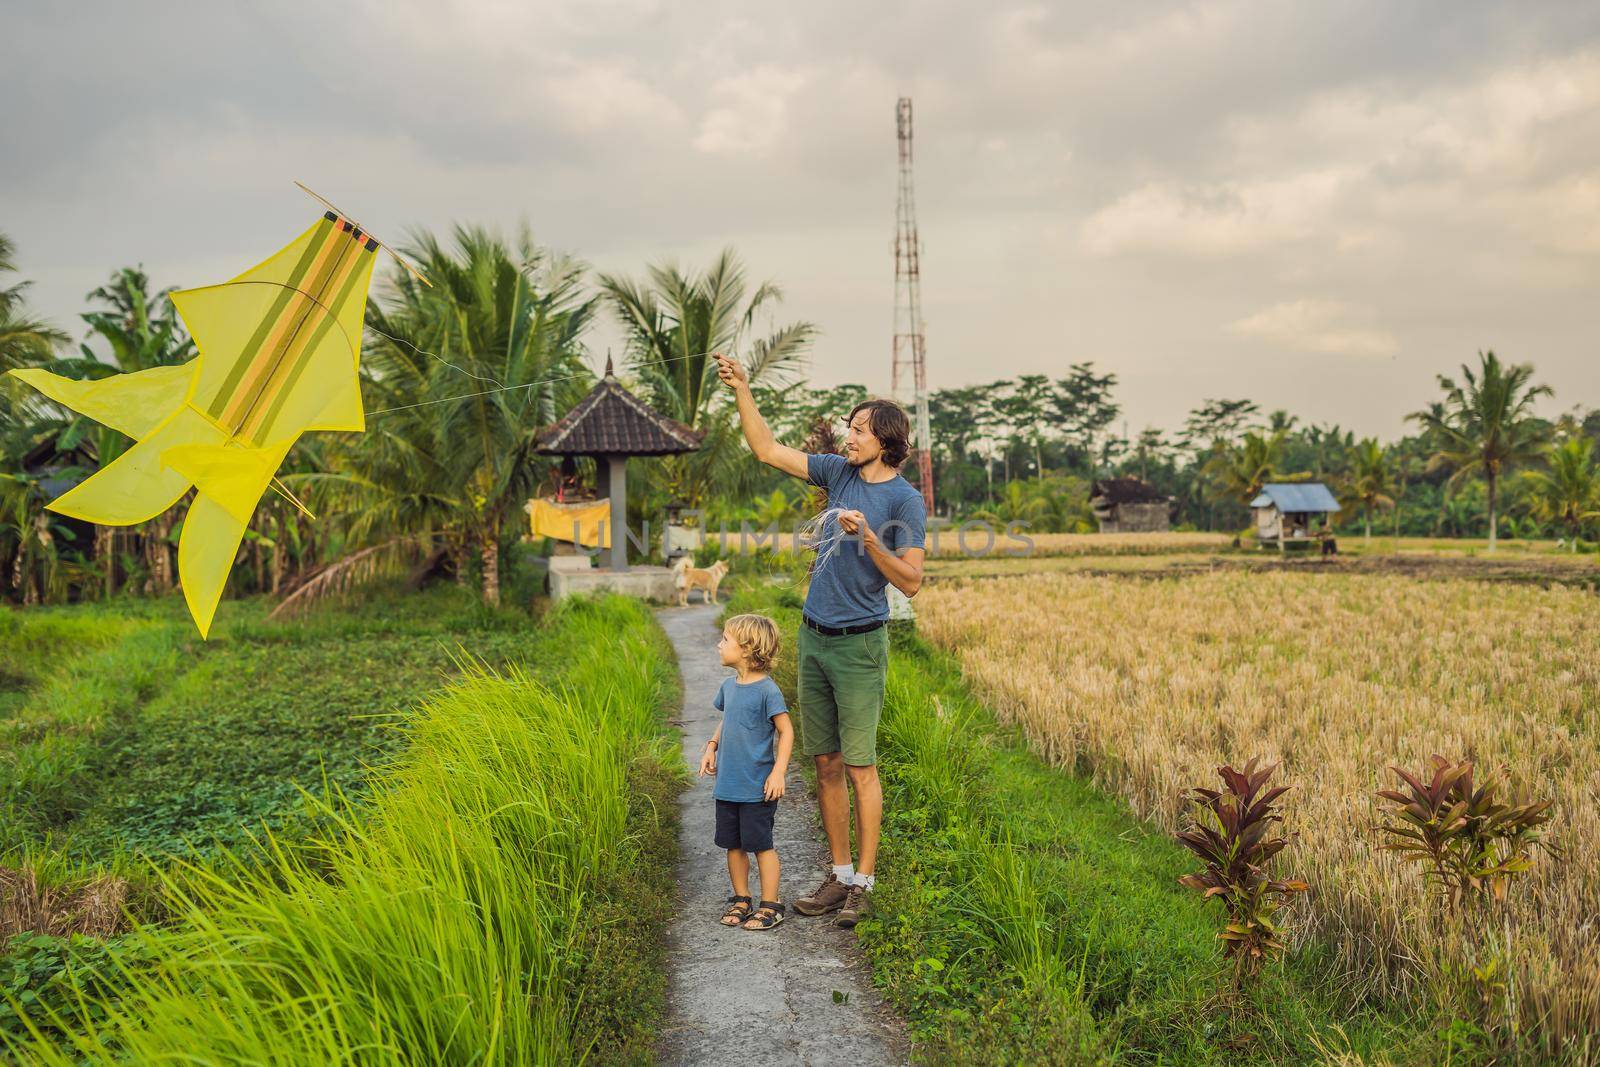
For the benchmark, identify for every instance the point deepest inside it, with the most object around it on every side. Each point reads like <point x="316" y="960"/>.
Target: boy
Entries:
<point x="749" y="754"/>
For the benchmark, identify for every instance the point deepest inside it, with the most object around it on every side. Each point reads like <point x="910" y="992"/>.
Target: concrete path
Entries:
<point x="799" y="994"/>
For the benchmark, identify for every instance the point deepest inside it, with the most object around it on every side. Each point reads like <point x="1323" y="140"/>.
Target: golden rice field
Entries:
<point x="1503" y="566"/>
<point x="995" y="543"/>
<point x="977" y="541"/>
<point x="974" y="542"/>
<point x="1150" y="685"/>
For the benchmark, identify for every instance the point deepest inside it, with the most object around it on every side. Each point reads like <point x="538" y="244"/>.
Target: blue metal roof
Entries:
<point x="1299" y="496"/>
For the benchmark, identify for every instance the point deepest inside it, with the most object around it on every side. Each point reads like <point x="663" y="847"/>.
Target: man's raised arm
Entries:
<point x="762" y="443"/>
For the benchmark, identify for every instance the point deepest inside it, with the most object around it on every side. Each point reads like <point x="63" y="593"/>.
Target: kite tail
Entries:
<point x="229" y="481"/>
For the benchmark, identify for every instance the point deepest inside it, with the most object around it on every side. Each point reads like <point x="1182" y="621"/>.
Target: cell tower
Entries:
<point x="909" y="379"/>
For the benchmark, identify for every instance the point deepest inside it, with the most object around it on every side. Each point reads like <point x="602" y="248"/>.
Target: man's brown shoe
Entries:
<point x="857" y="902"/>
<point x="830" y="895"/>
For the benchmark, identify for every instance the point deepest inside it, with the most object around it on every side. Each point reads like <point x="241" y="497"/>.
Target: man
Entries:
<point x="843" y="646"/>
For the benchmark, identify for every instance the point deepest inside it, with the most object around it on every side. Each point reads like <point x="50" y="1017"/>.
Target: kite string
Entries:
<point x="502" y="388"/>
<point x="431" y="355"/>
<point x="813" y="533"/>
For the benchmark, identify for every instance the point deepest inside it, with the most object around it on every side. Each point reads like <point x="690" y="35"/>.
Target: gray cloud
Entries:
<point x="1318" y="206"/>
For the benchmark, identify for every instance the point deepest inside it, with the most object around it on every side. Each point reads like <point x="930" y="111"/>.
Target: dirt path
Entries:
<point x="799" y="994"/>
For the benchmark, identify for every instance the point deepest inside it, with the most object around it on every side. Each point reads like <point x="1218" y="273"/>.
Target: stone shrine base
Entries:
<point x="642" y="581"/>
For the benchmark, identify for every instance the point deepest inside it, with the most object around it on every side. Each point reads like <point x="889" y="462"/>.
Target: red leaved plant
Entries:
<point x="1473" y="843"/>
<point x="1230" y="832"/>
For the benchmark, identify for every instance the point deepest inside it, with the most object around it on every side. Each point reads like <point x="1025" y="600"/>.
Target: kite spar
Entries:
<point x="279" y="355"/>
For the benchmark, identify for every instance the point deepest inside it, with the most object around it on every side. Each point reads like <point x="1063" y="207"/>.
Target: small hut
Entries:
<point x="1291" y="512"/>
<point x="610" y="425"/>
<point x="1129" y="505"/>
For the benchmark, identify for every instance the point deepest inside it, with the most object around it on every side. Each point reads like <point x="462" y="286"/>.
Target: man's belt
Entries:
<point x="840" y="631"/>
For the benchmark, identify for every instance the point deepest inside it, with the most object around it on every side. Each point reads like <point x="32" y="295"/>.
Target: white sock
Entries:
<point x="845" y="872"/>
<point x="866" y="881"/>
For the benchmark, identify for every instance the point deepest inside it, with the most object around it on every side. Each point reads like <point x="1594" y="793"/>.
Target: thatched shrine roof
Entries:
<point x="612" y="421"/>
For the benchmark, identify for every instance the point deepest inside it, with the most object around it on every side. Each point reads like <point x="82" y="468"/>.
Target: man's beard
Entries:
<point x="855" y="460"/>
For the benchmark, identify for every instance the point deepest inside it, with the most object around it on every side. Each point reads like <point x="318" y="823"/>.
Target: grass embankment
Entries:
<point x="1024" y="916"/>
<point x="1146" y="686"/>
<point x="495" y="898"/>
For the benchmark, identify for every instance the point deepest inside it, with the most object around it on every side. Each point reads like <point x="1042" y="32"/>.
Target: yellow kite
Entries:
<point x="279" y="351"/>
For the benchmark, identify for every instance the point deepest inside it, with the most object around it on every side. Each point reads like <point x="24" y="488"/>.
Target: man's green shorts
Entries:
<point x="841" y="692"/>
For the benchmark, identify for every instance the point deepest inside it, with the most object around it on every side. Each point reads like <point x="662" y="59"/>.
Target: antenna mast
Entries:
<point x="909" y="378"/>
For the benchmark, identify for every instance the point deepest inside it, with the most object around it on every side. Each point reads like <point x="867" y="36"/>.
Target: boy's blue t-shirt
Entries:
<point x="847" y="587"/>
<point x="745" y="754"/>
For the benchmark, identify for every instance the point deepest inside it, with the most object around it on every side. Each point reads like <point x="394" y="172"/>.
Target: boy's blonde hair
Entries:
<point x="757" y="637"/>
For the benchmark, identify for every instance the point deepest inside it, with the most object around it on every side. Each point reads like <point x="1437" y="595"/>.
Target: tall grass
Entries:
<point x="464" y="916"/>
<point x="1147" y="686"/>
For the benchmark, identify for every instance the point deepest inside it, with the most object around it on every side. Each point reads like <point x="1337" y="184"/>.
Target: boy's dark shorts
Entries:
<point x="745" y="826"/>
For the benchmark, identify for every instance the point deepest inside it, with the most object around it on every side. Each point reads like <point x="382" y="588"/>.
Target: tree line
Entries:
<point x="1481" y="461"/>
<point x="436" y="484"/>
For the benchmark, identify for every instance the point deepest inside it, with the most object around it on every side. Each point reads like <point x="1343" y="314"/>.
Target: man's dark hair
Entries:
<point x="890" y="425"/>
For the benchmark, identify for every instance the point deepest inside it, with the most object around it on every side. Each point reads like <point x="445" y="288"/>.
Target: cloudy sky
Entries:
<point x="1317" y="206"/>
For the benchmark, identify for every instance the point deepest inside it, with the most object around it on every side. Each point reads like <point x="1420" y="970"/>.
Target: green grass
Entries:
<point x="496" y="899"/>
<point x="1022" y="916"/>
<point x="125" y="733"/>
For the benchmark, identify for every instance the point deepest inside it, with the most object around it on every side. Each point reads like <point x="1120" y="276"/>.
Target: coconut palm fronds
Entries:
<point x="346" y="574"/>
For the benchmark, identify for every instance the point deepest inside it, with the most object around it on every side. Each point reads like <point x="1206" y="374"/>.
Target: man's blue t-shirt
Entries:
<point x="846" y="586"/>
<point x="745" y="754"/>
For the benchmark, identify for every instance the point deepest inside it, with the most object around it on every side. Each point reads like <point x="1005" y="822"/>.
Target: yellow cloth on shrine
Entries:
<point x="547" y="518"/>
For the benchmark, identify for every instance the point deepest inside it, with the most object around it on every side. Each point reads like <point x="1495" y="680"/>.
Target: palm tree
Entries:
<point x="27" y="422"/>
<point x="1402" y="470"/>
<point x="1019" y="502"/>
<point x="24" y="340"/>
<point x="1330" y="449"/>
<point x="1241" y="470"/>
<point x="27" y="558"/>
<point x="477" y="364"/>
<point x="674" y="322"/>
<point x="1371" y="481"/>
<point x="1487" y="423"/>
<point x="1568" y="491"/>
<point x="141" y="330"/>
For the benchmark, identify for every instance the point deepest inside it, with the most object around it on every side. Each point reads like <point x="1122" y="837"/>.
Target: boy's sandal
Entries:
<point x="738" y="911"/>
<point x="772" y="917"/>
